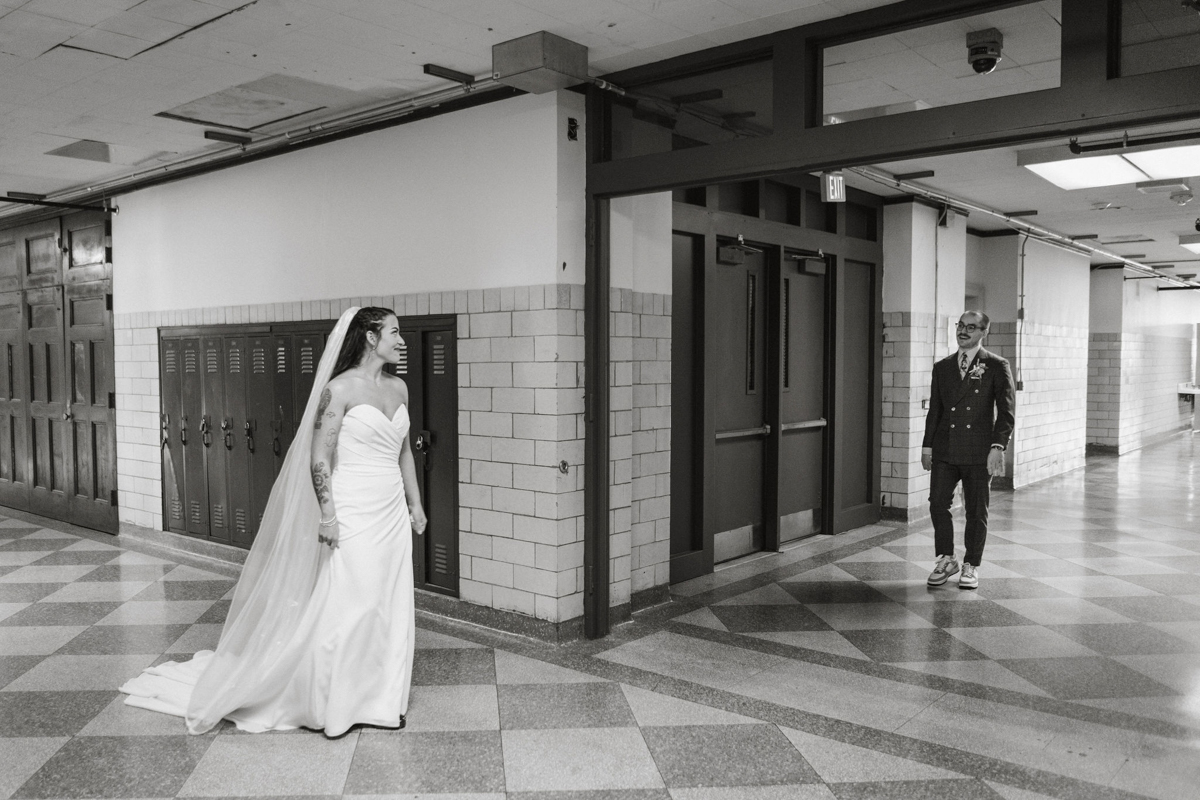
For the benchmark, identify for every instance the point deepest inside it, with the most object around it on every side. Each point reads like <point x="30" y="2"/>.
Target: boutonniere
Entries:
<point x="976" y="372"/>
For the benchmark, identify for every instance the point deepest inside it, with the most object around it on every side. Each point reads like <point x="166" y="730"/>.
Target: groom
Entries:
<point x="966" y="431"/>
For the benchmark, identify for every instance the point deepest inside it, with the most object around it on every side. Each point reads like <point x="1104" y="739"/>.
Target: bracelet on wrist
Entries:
<point x="325" y="523"/>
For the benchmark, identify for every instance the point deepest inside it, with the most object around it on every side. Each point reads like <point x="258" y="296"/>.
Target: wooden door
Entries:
<point x="14" y="401"/>
<point x="46" y="456"/>
<point x="90" y="448"/>
<point x="435" y="447"/>
<point x="857" y="417"/>
<point x="39" y="256"/>
<point x="87" y="245"/>
<point x="735" y="327"/>
<point x="171" y="440"/>
<point x="802" y="393"/>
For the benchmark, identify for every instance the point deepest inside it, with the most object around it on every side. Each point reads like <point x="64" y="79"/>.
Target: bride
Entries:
<point x="320" y="631"/>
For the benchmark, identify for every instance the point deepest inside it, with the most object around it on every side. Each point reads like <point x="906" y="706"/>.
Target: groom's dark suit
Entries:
<point x="967" y="415"/>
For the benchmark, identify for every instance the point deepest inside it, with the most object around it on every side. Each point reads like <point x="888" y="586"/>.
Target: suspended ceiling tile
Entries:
<point x="30" y="35"/>
<point x="238" y="107"/>
<point x="25" y="88"/>
<point x="68" y="64"/>
<point x="696" y="16"/>
<point x="188" y="13"/>
<point x="108" y="43"/>
<point x="87" y="13"/>
<point x="141" y="26"/>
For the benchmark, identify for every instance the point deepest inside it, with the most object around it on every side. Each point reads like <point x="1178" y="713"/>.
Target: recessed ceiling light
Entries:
<point x="1169" y="162"/>
<point x="1088" y="173"/>
<point x="1190" y="241"/>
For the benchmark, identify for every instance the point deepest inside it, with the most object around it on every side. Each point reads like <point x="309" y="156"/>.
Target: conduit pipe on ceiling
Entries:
<point x="1038" y="232"/>
<point x="383" y="112"/>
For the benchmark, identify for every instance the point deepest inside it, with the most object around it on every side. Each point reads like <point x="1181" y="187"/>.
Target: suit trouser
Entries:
<point x="976" y="483"/>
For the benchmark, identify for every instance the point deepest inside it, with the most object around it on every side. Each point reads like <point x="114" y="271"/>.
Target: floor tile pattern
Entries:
<point x="825" y="671"/>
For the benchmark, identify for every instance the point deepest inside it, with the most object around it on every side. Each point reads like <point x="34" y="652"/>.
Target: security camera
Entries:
<point x="1182" y="197"/>
<point x="1194" y="5"/>
<point x="1198" y="223"/>
<point x="984" y="50"/>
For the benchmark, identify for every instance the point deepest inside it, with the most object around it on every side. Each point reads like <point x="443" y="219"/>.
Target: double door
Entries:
<point x="232" y="397"/>
<point x="57" y="386"/>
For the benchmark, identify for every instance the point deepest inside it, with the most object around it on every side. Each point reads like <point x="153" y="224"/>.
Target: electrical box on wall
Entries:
<point x="540" y="62"/>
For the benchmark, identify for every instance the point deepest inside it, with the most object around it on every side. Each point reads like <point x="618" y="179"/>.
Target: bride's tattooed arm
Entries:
<point x="330" y="410"/>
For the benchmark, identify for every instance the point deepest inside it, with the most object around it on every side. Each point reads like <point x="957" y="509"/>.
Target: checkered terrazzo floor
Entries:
<point x="827" y="671"/>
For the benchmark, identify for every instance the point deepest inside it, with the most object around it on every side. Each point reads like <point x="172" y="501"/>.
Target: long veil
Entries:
<point x="274" y="588"/>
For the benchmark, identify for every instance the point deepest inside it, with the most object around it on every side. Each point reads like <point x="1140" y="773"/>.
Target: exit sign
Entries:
<point x="833" y="187"/>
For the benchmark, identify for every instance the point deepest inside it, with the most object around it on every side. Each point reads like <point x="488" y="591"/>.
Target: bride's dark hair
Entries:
<point x="368" y="319"/>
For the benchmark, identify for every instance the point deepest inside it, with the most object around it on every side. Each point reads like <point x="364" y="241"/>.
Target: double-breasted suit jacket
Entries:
<point x="968" y="415"/>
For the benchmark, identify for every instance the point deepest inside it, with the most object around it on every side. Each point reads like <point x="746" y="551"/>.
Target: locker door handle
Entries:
<point x="183" y="430"/>
<point x="250" y="426"/>
<point x="227" y="427"/>
<point x="205" y="431"/>
<point x="424" y="442"/>
<point x="166" y="429"/>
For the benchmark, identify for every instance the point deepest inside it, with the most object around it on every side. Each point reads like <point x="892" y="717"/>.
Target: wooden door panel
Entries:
<point x="39" y="254"/>
<point x="87" y="247"/>
<point x="92" y="405"/>
<point x="48" y="454"/>
<point x="11" y="243"/>
<point x="14" y="398"/>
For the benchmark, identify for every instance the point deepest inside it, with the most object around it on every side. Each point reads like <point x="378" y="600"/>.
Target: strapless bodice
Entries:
<point x="369" y="440"/>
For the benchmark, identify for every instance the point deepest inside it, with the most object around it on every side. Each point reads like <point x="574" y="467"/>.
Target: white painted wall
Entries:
<point x="1106" y="312"/>
<point x="482" y="198"/>
<point x="994" y="267"/>
<point x="1057" y="285"/>
<point x="640" y="243"/>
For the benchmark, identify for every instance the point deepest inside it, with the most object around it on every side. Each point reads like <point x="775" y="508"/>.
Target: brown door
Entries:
<point x="90" y="449"/>
<point x="735" y="328"/>
<point x="87" y="244"/>
<point x="14" y="402"/>
<point x="48" y="402"/>
<point x="802" y="398"/>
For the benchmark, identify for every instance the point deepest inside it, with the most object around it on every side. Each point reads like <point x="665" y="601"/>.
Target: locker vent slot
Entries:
<point x="239" y="520"/>
<point x="751" y="328"/>
<point x="441" y="559"/>
<point x="281" y="359"/>
<point x="258" y="358"/>
<point x="195" y="512"/>
<point x="190" y="361"/>
<point x="212" y="360"/>
<point x="402" y="365"/>
<point x="171" y="362"/>
<point x="307" y="354"/>
<point x="177" y="510"/>
<point x="787" y="334"/>
<point x="439" y="359"/>
<point x="235" y="360"/>
<point x="218" y="515"/>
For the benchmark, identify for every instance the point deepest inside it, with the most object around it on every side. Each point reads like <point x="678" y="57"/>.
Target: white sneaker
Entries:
<point x="969" y="578"/>
<point x="945" y="567"/>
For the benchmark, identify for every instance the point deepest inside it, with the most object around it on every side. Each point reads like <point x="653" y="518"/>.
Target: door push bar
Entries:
<point x="799" y="426"/>
<point x="764" y="430"/>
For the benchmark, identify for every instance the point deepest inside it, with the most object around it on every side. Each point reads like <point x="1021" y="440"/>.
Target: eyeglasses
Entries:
<point x="969" y="328"/>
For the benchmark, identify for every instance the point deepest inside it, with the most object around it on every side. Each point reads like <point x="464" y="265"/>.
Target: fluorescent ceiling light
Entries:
<point x="1088" y="173"/>
<point x="1169" y="162"/>
<point x="1190" y="241"/>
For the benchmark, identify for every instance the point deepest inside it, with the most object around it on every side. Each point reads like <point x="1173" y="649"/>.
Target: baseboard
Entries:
<point x="896" y="514"/>
<point x="1097" y="449"/>
<point x="507" y="621"/>
<point x="649" y="598"/>
<point x="212" y="556"/>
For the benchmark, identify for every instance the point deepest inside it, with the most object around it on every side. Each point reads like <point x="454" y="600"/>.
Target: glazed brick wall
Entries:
<point x="520" y="352"/>
<point x="911" y="344"/>
<point x="640" y="442"/>
<point x="1152" y="367"/>
<point x="1104" y="389"/>
<point x="1052" y="414"/>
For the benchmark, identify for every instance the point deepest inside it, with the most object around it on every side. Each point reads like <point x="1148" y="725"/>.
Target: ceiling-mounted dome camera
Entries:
<point x="1198" y="223"/>
<point x="984" y="50"/>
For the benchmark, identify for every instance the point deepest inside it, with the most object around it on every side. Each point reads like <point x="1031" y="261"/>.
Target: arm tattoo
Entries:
<point x="322" y="407"/>
<point x="331" y="436"/>
<point x="320" y="479"/>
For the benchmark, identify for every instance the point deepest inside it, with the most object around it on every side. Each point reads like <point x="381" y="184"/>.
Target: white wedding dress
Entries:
<point x="348" y="658"/>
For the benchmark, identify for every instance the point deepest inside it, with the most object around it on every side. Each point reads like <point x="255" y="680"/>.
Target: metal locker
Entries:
<point x="212" y="439"/>
<point x="195" y="483"/>
<point x="234" y="441"/>
<point x="256" y="430"/>
<point x="170" y="418"/>
<point x="435" y="444"/>
<point x="281" y="411"/>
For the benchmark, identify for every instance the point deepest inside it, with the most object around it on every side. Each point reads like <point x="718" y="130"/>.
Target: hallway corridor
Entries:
<point x="829" y="670"/>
